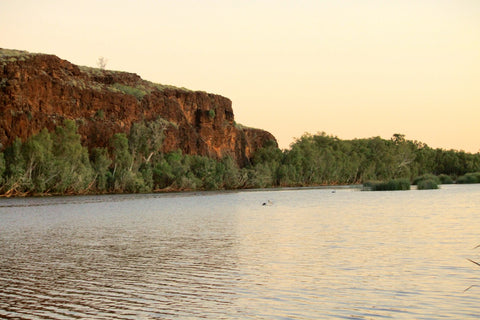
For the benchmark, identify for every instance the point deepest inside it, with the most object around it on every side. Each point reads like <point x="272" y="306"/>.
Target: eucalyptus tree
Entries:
<point x="74" y="172"/>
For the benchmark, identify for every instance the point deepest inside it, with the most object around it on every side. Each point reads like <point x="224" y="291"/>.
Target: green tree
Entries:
<point x="14" y="168"/>
<point x="100" y="163"/>
<point x="40" y="172"/>
<point x="403" y="156"/>
<point x="231" y="173"/>
<point x="266" y="162"/>
<point x="75" y="173"/>
<point x="2" y="170"/>
<point x="208" y="171"/>
<point x="145" y="140"/>
<point x="123" y="178"/>
<point x="162" y="174"/>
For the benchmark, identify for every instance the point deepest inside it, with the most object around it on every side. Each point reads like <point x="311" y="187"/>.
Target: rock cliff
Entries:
<point x="39" y="91"/>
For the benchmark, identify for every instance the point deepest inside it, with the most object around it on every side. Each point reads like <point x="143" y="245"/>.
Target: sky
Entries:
<point x="350" y="68"/>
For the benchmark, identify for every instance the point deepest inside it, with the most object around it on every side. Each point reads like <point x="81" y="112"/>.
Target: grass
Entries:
<point x="9" y="55"/>
<point x="91" y="71"/>
<point x="137" y="92"/>
<point x="139" y="89"/>
<point x="241" y="126"/>
<point x="163" y="87"/>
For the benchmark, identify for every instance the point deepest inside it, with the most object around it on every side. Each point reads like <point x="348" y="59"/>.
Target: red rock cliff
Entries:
<point x="39" y="91"/>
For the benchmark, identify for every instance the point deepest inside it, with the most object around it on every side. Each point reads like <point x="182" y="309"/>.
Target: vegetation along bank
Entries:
<point x="57" y="163"/>
<point x="66" y="129"/>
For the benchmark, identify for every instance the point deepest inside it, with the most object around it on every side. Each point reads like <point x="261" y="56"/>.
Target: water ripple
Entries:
<point x="313" y="254"/>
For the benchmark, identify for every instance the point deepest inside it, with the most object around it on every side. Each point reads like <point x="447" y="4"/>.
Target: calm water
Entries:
<point x="312" y="254"/>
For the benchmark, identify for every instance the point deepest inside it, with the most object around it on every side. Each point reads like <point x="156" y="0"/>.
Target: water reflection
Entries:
<point x="312" y="254"/>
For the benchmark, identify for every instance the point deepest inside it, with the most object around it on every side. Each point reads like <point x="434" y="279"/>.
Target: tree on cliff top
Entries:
<point x="102" y="62"/>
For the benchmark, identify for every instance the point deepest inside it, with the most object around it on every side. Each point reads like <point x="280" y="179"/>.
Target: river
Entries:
<point x="307" y="254"/>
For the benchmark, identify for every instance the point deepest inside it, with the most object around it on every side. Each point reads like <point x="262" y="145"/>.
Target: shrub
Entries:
<point x="445" y="179"/>
<point x="99" y="114"/>
<point x="368" y="185"/>
<point x="211" y="113"/>
<point x="138" y="93"/>
<point x="472" y="177"/>
<point x="427" y="184"/>
<point x="427" y="176"/>
<point x="163" y="87"/>
<point x="391" y="185"/>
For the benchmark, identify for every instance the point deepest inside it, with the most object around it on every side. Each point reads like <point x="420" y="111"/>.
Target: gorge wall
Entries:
<point x="38" y="91"/>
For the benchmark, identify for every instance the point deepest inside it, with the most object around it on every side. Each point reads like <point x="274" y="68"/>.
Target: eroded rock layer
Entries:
<point x="38" y="91"/>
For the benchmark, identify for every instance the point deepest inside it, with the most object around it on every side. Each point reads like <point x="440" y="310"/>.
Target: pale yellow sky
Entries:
<point x="351" y="68"/>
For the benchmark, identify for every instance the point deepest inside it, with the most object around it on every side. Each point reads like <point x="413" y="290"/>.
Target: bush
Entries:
<point x="368" y="185"/>
<point x="445" y="179"/>
<point x="472" y="177"/>
<point x="211" y="113"/>
<point x="137" y="92"/>
<point x="427" y="184"/>
<point x="391" y="185"/>
<point x="427" y="176"/>
<point x="99" y="114"/>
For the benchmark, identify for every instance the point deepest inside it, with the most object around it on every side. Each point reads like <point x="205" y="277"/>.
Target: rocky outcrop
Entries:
<point x="38" y="91"/>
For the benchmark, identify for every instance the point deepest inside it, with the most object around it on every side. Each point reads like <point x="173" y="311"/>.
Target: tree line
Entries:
<point x="322" y="159"/>
<point x="57" y="163"/>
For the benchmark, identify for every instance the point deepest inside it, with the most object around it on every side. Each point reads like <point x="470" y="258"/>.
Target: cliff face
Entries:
<point x="38" y="91"/>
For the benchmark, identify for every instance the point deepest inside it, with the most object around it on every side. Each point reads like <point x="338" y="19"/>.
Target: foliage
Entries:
<point x="163" y="87"/>
<point x="427" y="184"/>
<point x="211" y="113"/>
<point x="427" y="181"/>
<point x="57" y="163"/>
<point x="471" y="177"/>
<point x="122" y="175"/>
<point x="40" y="172"/>
<point x="445" y="179"/>
<point x="391" y="185"/>
<point x="15" y="166"/>
<point x="9" y="55"/>
<point x="232" y="177"/>
<point x="145" y="140"/>
<point x="100" y="165"/>
<point x="100" y="114"/>
<point x="325" y="160"/>
<point x="73" y="169"/>
<point x="48" y="162"/>
<point x="2" y="166"/>
<point x="137" y="92"/>
<point x="427" y="176"/>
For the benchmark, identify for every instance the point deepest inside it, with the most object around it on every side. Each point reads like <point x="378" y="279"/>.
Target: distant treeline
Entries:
<point x="326" y="160"/>
<point x="57" y="163"/>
